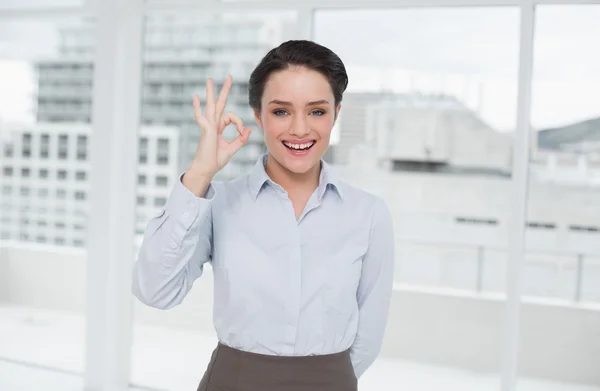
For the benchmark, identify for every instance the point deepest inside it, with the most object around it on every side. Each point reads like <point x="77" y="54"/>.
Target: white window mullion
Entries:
<point x="116" y="98"/>
<point x="519" y="199"/>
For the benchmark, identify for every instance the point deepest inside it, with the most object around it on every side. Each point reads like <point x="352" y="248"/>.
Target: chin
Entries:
<point x="300" y="167"/>
<point x="299" y="164"/>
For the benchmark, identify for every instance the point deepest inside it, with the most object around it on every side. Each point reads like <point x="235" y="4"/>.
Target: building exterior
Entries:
<point x="353" y="123"/>
<point x="435" y="133"/>
<point x="181" y="52"/>
<point x="45" y="180"/>
<point x="419" y="132"/>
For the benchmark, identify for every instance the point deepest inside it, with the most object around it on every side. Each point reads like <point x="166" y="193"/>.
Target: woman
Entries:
<point x="302" y="262"/>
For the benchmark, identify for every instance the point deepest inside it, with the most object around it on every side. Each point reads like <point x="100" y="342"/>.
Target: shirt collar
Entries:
<point x="258" y="177"/>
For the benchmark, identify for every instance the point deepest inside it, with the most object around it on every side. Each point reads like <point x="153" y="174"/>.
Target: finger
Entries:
<point x="232" y="118"/>
<point x="222" y="101"/>
<point x="240" y="141"/>
<point x="200" y="118"/>
<point x="210" y="100"/>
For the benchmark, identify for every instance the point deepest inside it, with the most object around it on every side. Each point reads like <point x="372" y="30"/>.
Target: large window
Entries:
<point x="427" y="124"/>
<point x="564" y="209"/>
<point x="45" y="100"/>
<point x="563" y="213"/>
<point x="181" y="51"/>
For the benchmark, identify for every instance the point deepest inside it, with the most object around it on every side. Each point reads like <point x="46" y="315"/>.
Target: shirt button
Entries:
<point x="186" y="215"/>
<point x="174" y="245"/>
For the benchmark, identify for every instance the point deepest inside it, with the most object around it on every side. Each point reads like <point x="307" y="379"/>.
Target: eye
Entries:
<point x="318" y="112"/>
<point x="280" y="112"/>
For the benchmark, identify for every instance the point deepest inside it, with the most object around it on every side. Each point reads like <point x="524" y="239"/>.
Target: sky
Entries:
<point x="471" y="53"/>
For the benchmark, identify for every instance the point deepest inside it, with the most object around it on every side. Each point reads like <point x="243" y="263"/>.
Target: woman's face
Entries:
<point x="297" y="115"/>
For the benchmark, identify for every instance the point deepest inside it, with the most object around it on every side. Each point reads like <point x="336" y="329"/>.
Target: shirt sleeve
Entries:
<point x="176" y="245"/>
<point x="374" y="290"/>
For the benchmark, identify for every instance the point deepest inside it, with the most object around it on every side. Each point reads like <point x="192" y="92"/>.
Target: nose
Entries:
<point x="300" y="127"/>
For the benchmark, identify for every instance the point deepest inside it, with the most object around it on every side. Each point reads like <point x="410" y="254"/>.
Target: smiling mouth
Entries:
<point x="299" y="147"/>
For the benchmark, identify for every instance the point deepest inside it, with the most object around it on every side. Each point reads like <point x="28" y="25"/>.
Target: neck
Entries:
<point x="293" y="183"/>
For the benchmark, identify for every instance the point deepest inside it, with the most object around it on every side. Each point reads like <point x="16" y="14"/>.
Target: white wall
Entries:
<point x="558" y="342"/>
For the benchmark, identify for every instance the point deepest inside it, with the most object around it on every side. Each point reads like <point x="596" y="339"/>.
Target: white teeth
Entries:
<point x="298" y="146"/>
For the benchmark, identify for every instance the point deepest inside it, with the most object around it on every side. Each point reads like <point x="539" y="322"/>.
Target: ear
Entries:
<point x="337" y="112"/>
<point x="257" y="119"/>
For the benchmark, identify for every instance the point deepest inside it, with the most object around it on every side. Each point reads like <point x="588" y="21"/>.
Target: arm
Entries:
<point x="374" y="290"/>
<point x="176" y="245"/>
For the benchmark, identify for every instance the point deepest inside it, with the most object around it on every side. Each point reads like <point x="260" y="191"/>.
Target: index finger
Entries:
<point x="222" y="100"/>
<point x="231" y="118"/>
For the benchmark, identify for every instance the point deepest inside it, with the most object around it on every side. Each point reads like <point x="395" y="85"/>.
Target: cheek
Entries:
<point x="273" y="127"/>
<point x="323" y="126"/>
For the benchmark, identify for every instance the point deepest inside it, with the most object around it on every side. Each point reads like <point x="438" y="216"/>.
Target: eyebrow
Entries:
<point x="315" y="103"/>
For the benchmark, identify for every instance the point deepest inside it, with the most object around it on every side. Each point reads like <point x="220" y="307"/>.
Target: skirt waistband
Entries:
<point x="231" y="369"/>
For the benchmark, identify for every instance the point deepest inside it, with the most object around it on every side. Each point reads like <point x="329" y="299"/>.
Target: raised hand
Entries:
<point x="213" y="151"/>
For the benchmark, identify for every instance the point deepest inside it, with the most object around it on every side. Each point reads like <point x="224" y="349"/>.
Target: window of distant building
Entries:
<point x="143" y="150"/>
<point x="44" y="146"/>
<point x="82" y="145"/>
<point x="26" y="145"/>
<point x="43" y="173"/>
<point x="61" y="174"/>
<point x="162" y="155"/>
<point x="25" y="172"/>
<point x="162" y="181"/>
<point x="8" y="150"/>
<point x="7" y="171"/>
<point x="63" y="146"/>
<point x="582" y="228"/>
<point x="159" y="201"/>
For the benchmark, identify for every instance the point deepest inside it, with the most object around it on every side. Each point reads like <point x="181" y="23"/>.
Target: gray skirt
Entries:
<point x="235" y="370"/>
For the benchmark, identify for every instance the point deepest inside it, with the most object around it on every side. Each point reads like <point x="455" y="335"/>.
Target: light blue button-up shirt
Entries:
<point x="319" y="284"/>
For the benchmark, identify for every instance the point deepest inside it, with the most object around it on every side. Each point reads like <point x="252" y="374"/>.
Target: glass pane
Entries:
<point x="45" y="104"/>
<point x="427" y="124"/>
<point x="561" y="275"/>
<point x="181" y="50"/>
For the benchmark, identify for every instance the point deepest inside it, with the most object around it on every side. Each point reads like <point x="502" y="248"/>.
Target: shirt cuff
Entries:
<point x="185" y="207"/>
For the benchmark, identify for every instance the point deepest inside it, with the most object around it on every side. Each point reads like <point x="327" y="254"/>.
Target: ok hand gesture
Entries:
<point x="214" y="151"/>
